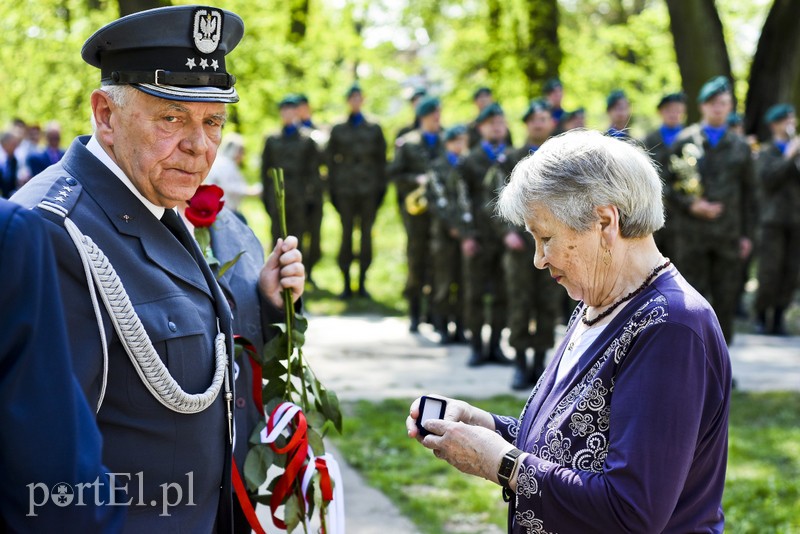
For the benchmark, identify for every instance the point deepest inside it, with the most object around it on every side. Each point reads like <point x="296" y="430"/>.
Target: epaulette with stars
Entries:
<point x="62" y="196"/>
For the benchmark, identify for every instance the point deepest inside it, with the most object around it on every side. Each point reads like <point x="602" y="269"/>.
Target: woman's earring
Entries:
<point x="607" y="257"/>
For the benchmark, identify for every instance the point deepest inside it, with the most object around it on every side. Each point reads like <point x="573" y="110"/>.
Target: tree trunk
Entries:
<point x="495" y="39"/>
<point x="299" y="20"/>
<point x="699" y="46"/>
<point x="775" y="71"/>
<point x="126" y="7"/>
<point x="539" y="51"/>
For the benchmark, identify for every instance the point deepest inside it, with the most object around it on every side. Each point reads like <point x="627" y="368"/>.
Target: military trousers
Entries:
<point x="448" y="296"/>
<point x="418" y="252"/>
<point x="712" y="266"/>
<point x="533" y="296"/>
<point x="485" y="277"/>
<point x="778" y="266"/>
<point x="314" y="224"/>
<point x="356" y="210"/>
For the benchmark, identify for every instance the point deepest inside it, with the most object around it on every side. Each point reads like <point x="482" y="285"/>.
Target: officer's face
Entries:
<point x="672" y="113"/>
<point x="715" y="110"/>
<point x="165" y="147"/>
<point x="494" y="129"/>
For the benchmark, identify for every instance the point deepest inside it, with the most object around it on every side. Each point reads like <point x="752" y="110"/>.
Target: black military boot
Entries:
<point x="413" y="314"/>
<point x="538" y="366"/>
<point x="778" y="326"/>
<point x="520" y="379"/>
<point x="362" y="289"/>
<point x="496" y="354"/>
<point x="440" y="324"/>
<point x="476" y="353"/>
<point x="458" y="337"/>
<point x="348" y="291"/>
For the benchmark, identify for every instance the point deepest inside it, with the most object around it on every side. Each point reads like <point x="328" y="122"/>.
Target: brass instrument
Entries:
<point x="417" y="200"/>
<point x="685" y="167"/>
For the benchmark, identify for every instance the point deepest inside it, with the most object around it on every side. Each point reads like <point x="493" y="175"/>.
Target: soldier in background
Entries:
<point x="451" y="220"/>
<point x="356" y="159"/>
<point x="712" y="184"/>
<point x="485" y="275"/>
<point x="672" y="109"/>
<point x="416" y="96"/>
<point x="533" y="295"/>
<point x="296" y="153"/>
<point x="482" y="98"/>
<point x="414" y="153"/>
<point x="618" y="108"/>
<point x="553" y="91"/>
<point x="779" y="183"/>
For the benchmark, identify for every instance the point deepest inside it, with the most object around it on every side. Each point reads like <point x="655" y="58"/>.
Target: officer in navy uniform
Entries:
<point x="159" y="116"/>
<point x="41" y="446"/>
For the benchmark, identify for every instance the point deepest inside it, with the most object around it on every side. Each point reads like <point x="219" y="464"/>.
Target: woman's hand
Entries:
<point x="455" y="410"/>
<point x="283" y="269"/>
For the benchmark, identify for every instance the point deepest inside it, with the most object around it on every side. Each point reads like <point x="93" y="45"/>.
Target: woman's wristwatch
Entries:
<point x="507" y="465"/>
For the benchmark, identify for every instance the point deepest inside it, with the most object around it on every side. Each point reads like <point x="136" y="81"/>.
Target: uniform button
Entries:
<point x="71" y="181"/>
<point x="172" y="326"/>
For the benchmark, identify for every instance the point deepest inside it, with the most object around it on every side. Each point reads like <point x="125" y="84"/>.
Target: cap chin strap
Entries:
<point x="129" y="328"/>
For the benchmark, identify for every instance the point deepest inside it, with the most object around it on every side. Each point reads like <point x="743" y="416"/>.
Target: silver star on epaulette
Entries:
<point x="204" y="63"/>
<point x="67" y="188"/>
<point x="214" y="64"/>
<point x="61" y="199"/>
<point x="190" y="63"/>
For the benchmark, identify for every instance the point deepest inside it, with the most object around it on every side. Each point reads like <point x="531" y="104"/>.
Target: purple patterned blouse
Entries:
<point x="635" y="438"/>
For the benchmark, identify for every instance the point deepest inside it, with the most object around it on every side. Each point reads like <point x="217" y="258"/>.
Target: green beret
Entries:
<point x="712" y="88"/>
<point x="426" y="106"/>
<point x="670" y="98"/>
<point x="355" y="88"/>
<point x="614" y="97"/>
<point x="418" y="92"/>
<point x="733" y="119"/>
<point x="455" y="131"/>
<point x="551" y="85"/>
<point x="288" y="101"/>
<point x="535" y="107"/>
<point x="480" y="91"/>
<point x="492" y="110"/>
<point x="778" y="112"/>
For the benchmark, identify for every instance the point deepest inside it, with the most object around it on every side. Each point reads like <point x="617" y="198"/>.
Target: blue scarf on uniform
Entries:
<point x="308" y="124"/>
<point x="289" y="129"/>
<point x="532" y="149"/>
<point x="669" y="133"/>
<point x="782" y="145"/>
<point x="452" y="159"/>
<point x="714" y="134"/>
<point x="356" y="118"/>
<point x="493" y="151"/>
<point x="619" y="134"/>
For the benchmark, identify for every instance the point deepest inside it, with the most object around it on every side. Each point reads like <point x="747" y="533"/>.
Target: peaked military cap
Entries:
<point x="614" y="97"/>
<point x="778" y="112"/>
<point x="455" y="131"/>
<point x="177" y="52"/>
<point x="670" y="98"/>
<point x="480" y="91"/>
<point x="355" y="88"/>
<point x="551" y="85"/>
<point x="712" y="88"/>
<point x="492" y="110"/>
<point x="426" y="106"/>
<point x="535" y="107"/>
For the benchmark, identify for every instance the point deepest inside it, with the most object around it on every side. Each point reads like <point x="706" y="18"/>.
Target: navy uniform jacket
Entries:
<point x="179" y="310"/>
<point x="40" y="444"/>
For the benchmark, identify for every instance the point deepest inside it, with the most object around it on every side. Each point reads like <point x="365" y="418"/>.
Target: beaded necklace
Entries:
<point x="629" y="296"/>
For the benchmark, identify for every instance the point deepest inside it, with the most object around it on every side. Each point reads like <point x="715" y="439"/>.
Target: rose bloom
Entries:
<point x="204" y="206"/>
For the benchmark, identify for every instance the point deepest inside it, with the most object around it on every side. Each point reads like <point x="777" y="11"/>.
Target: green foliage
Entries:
<point x="762" y="490"/>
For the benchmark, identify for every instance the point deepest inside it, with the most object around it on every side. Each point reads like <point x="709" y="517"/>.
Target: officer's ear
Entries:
<point x="102" y="110"/>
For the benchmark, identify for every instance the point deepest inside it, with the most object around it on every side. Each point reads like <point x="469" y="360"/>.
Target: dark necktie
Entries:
<point x="176" y="226"/>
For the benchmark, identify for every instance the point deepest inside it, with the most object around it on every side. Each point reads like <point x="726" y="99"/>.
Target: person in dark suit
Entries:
<point x="149" y="327"/>
<point x="52" y="154"/>
<point x="9" y="141"/>
<point x="42" y="448"/>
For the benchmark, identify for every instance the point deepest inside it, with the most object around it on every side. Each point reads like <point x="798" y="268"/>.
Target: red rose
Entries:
<point x="204" y="206"/>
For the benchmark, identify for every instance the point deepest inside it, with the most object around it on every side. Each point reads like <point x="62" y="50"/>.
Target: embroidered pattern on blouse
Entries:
<point x="511" y="424"/>
<point x="527" y="484"/>
<point x="528" y="520"/>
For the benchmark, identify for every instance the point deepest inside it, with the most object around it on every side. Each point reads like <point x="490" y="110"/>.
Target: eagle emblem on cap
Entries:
<point x="207" y="30"/>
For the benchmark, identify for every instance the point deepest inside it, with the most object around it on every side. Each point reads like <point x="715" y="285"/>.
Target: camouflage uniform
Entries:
<point x="707" y="251"/>
<point x="660" y="153"/>
<point x="296" y="153"/>
<point x="451" y="213"/>
<point x="412" y="157"/>
<point x="356" y="157"/>
<point x="779" y="181"/>
<point x="315" y="202"/>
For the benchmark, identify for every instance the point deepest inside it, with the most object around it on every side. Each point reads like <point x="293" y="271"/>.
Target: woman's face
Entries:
<point x="574" y="259"/>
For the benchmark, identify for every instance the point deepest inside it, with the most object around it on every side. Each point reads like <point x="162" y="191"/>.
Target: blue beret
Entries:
<point x="480" y="91"/>
<point x="177" y="52"/>
<point x="492" y="110"/>
<point x="455" y="131"/>
<point x="551" y="85"/>
<point x="733" y="119"/>
<point x="670" y="98"/>
<point x="712" y="88"/>
<point x="289" y="101"/>
<point x="355" y="88"/>
<point x="535" y="107"/>
<point x="301" y="99"/>
<point x="426" y="106"/>
<point x="614" y="97"/>
<point x="778" y="112"/>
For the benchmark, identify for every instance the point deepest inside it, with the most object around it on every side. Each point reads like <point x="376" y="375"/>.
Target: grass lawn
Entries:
<point x="762" y="491"/>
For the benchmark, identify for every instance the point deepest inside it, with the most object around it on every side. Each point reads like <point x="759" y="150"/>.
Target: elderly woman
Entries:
<point x="626" y="431"/>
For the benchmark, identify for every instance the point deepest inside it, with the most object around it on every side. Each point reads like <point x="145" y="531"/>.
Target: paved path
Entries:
<point x="376" y="358"/>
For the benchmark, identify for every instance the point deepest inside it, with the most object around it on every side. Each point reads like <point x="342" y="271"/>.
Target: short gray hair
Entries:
<point x="580" y="170"/>
<point x="119" y="94"/>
